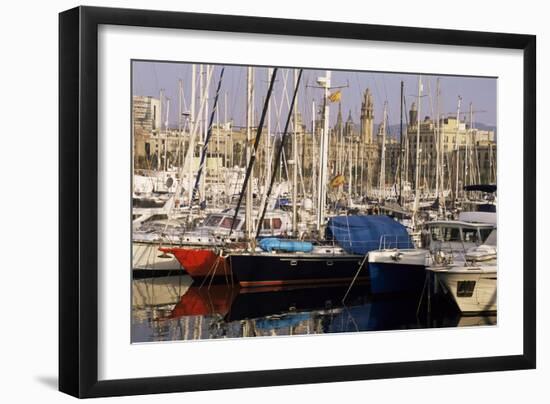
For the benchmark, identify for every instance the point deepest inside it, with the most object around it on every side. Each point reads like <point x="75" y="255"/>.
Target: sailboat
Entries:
<point x="206" y="248"/>
<point x="343" y="240"/>
<point x="202" y="252"/>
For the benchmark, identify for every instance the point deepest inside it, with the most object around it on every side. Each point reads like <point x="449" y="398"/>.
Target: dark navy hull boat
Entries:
<point x="351" y="238"/>
<point x="273" y="269"/>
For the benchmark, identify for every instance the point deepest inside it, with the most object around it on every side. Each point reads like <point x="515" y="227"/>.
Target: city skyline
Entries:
<point x="150" y="77"/>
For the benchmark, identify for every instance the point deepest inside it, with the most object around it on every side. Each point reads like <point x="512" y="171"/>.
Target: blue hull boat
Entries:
<point x="392" y="278"/>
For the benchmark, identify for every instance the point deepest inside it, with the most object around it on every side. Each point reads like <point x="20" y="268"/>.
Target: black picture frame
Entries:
<point x="78" y="201"/>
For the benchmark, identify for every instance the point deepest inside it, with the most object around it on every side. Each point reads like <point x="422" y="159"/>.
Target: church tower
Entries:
<point x="338" y="127"/>
<point x="367" y="118"/>
<point x="350" y="126"/>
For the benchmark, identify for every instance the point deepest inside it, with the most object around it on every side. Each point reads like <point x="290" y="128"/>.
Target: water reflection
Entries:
<point x="172" y="308"/>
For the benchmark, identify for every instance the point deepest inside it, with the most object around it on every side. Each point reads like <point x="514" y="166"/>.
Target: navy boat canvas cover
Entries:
<point x="361" y="234"/>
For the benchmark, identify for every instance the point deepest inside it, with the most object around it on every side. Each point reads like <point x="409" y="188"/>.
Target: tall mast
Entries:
<point x="340" y="170"/>
<point x="202" y="121"/>
<point x="180" y="106"/>
<point x="474" y="167"/>
<point x="313" y="153"/>
<point x="268" y="137"/>
<point x="166" y="134"/>
<point x="322" y="197"/>
<point x="180" y="118"/>
<point x="357" y="181"/>
<point x="350" y="167"/>
<point x="249" y="189"/>
<point x="437" y="142"/>
<point x="216" y="194"/>
<point x="231" y="155"/>
<point x="416" y="169"/>
<point x="382" y="182"/>
<point x="401" y="140"/>
<point x="338" y="135"/>
<point x="225" y="164"/>
<point x="205" y="70"/>
<point x="407" y="144"/>
<point x="361" y="150"/>
<point x="295" y="163"/>
<point x="159" y="144"/>
<point x="442" y="153"/>
<point x="191" y="147"/>
<point x="456" y="147"/>
<point x="467" y="157"/>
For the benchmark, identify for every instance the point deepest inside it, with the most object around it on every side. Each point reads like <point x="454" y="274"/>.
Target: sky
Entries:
<point x="148" y="78"/>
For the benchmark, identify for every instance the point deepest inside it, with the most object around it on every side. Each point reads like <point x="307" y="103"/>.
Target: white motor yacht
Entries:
<point x="470" y="277"/>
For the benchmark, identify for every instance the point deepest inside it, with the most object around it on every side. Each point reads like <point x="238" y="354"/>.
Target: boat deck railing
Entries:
<point x="385" y="242"/>
<point x="392" y="241"/>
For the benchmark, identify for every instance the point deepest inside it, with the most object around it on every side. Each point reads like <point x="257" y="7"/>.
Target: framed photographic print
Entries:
<point x="251" y="201"/>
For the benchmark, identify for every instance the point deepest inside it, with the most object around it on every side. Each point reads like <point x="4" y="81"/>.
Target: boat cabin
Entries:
<point x="455" y="235"/>
<point x="216" y="227"/>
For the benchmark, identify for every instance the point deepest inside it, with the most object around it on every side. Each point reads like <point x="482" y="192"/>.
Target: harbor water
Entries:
<point x="173" y="308"/>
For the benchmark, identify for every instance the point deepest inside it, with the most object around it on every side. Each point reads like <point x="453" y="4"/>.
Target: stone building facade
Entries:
<point x="472" y="150"/>
<point x="348" y="141"/>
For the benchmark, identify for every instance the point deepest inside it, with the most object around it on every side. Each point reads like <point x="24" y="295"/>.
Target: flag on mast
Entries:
<point x="335" y="97"/>
<point x="337" y="181"/>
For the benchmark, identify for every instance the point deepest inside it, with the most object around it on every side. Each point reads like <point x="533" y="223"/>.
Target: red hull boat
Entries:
<point x="200" y="262"/>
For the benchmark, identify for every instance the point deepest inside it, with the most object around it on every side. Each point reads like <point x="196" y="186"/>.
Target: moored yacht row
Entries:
<point x="460" y="254"/>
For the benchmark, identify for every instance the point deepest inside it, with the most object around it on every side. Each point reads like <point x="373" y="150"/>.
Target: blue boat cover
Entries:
<point x="270" y="244"/>
<point x="361" y="234"/>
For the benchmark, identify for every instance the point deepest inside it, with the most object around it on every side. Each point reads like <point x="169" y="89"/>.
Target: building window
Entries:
<point x="148" y="150"/>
